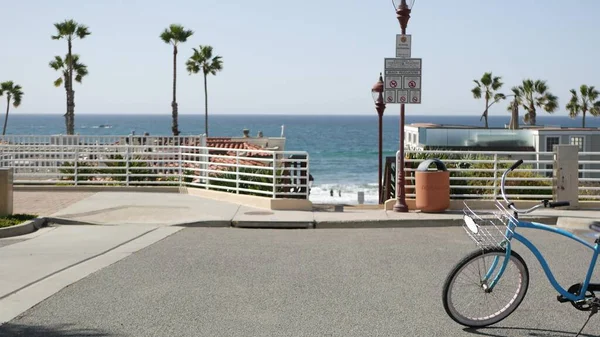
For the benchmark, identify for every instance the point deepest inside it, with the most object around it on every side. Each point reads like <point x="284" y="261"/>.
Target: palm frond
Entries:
<point x="70" y="29"/>
<point x="476" y="92"/>
<point x="175" y="34"/>
<point x="595" y="109"/>
<point x="166" y="36"/>
<point x="550" y="103"/>
<point x="497" y="83"/>
<point x="82" y="31"/>
<point x="192" y="66"/>
<point x="57" y="63"/>
<point x="12" y="90"/>
<point x="486" y="79"/>
<point x="593" y="94"/>
<point x="17" y="98"/>
<point x="584" y="90"/>
<point x="58" y="82"/>
<point x="540" y="87"/>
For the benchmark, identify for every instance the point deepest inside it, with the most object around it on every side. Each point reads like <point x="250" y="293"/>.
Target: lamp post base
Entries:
<point x="400" y="207"/>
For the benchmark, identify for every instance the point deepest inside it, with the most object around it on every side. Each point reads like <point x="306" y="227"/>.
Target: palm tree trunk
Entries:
<point x="514" y="119"/>
<point x="72" y="116"/>
<point x="583" y="125"/>
<point x="70" y="93"/>
<point x="205" y="107"/>
<point x="67" y="95"/>
<point x="6" y="117"/>
<point x="485" y="113"/>
<point x="532" y="115"/>
<point x="174" y="125"/>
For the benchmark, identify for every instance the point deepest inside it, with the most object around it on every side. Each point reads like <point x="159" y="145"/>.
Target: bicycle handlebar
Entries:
<point x="517" y="164"/>
<point x="545" y="203"/>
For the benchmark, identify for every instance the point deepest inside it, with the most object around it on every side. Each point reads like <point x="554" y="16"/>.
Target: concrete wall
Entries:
<point x="252" y="201"/>
<point x="594" y="143"/>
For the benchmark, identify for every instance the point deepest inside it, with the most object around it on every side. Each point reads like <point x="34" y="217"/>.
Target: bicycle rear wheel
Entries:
<point x="465" y="299"/>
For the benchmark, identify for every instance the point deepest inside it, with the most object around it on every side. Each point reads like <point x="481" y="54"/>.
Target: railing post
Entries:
<point x="127" y="155"/>
<point x="308" y="178"/>
<point x="274" y="174"/>
<point x="180" y="165"/>
<point x="495" y="176"/>
<point x="237" y="172"/>
<point x="75" y="165"/>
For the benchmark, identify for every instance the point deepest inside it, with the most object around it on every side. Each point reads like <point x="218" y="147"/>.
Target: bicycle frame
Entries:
<point x="511" y="234"/>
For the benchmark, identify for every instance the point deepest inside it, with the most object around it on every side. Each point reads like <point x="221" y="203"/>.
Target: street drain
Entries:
<point x="259" y="213"/>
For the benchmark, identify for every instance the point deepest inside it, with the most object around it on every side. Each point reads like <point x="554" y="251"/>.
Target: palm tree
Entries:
<point x="174" y="35"/>
<point x="487" y="86"/>
<point x="14" y="92"/>
<point x="534" y="94"/>
<point x="62" y="65"/>
<point x="70" y="30"/>
<point x="588" y="102"/>
<point x="513" y="108"/>
<point x="203" y="59"/>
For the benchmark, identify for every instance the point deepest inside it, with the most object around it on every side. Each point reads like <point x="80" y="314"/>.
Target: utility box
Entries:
<point x="566" y="174"/>
<point x="6" y="191"/>
<point x="432" y="186"/>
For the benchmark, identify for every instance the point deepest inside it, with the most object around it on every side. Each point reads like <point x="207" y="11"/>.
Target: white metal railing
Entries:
<point x="589" y="175"/>
<point x="269" y="173"/>
<point x="477" y="174"/>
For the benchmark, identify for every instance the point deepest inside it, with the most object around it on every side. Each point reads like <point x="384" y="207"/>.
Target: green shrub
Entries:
<point x="246" y="181"/>
<point x="15" y="219"/>
<point x="120" y="167"/>
<point x="93" y="170"/>
<point x="83" y="167"/>
<point x="476" y="170"/>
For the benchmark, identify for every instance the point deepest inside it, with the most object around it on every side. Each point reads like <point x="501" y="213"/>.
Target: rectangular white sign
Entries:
<point x="402" y="96"/>
<point x="403" y="80"/>
<point x="393" y="82"/>
<point x="402" y="64"/>
<point x="412" y="82"/>
<point x="414" y="97"/>
<point x="390" y="96"/>
<point x="403" y="45"/>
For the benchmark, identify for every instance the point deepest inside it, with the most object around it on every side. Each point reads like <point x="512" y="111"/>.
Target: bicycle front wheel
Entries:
<point x="467" y="299"/>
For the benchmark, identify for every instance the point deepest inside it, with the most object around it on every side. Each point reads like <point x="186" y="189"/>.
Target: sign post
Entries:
<point x="404" y="73"/>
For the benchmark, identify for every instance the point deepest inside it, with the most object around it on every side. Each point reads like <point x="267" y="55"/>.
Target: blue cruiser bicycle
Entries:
<point x="487" y="285"/>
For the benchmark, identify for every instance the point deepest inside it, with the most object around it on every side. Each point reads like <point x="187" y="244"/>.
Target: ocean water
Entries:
<point x="343" y="150"/>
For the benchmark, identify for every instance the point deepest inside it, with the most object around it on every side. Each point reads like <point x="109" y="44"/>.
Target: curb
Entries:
<point x="576" y="223"/>
<point x="339" y="224"/>
<point x="389" y="223"/>
<point x="202" y="223"/>
<point x="24" y="228"/>
<point x="274" y="224"/>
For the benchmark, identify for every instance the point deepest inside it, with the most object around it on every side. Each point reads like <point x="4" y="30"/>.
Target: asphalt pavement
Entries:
<point x="274" y="282"/>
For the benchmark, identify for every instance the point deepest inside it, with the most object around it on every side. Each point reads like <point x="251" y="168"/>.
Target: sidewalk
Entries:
<point x="170" y="209"/>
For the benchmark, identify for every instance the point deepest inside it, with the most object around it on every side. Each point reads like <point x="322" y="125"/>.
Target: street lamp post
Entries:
<point x="403" y="15"/>
<point x="377" y="92"/>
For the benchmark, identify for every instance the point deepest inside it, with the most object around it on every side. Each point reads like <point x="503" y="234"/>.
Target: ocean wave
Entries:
<point x="344" y="193"/>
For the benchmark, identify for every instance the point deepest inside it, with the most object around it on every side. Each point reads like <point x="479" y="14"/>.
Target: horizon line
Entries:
<point x="273" y="114"/>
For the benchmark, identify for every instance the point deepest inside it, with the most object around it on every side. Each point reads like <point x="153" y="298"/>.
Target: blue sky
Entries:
<point x="308" y="57"/>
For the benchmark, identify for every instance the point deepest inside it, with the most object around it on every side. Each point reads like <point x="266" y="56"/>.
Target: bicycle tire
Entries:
<point x="509" y="308"/>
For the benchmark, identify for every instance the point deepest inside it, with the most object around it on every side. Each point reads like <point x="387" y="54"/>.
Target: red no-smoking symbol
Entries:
<point x="412" y="84"/>
<point x="402" y="99"/>
<point x="415" y="99"/>
<point x="390" y="98"/>
<point x="393" y="84"/>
